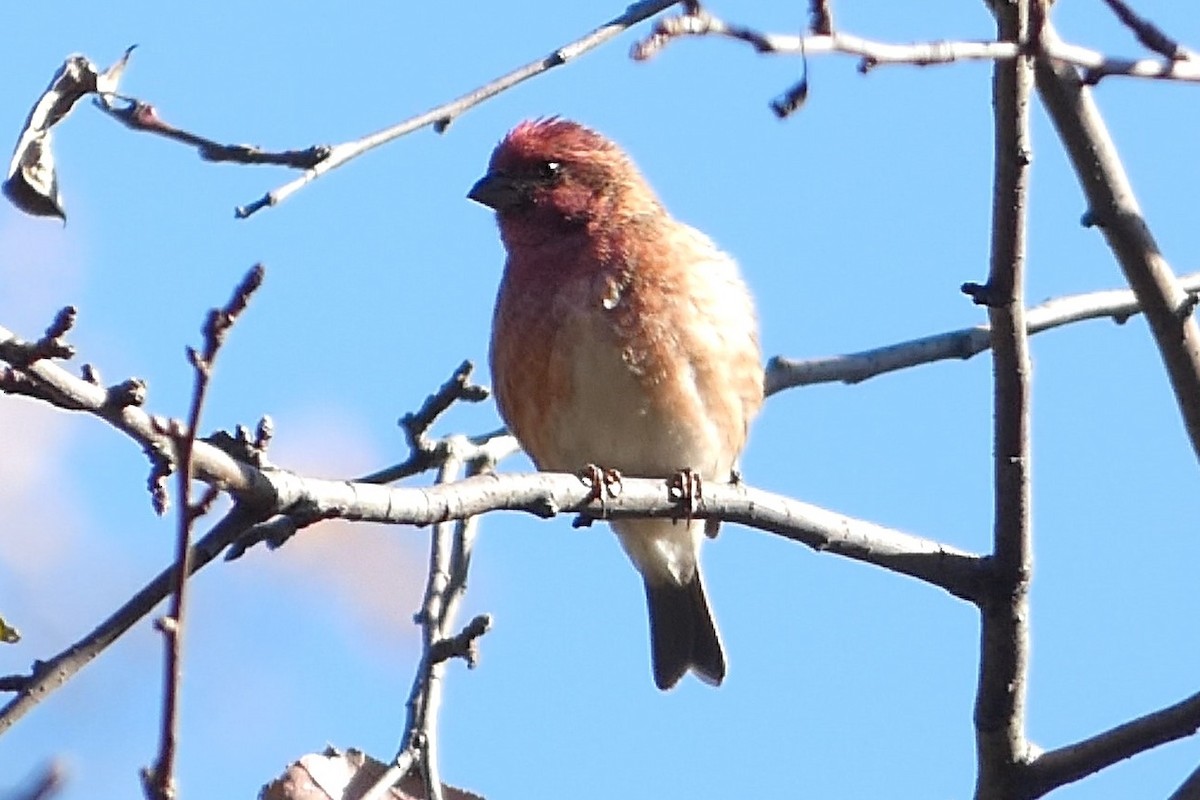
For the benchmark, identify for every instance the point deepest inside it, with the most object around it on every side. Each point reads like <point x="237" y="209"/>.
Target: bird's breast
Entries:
<point x="599" y="379"/>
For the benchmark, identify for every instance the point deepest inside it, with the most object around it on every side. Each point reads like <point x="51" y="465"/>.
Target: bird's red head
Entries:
<point x="553" y="174"/>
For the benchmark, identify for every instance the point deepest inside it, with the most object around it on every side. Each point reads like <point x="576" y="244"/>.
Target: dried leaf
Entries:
<point x="8" y="634"/>
<point x="32" y="181"/>
<point x="334" y="775"/>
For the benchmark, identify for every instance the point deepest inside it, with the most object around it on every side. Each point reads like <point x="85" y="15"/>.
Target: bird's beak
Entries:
<point x="497" y="191"/>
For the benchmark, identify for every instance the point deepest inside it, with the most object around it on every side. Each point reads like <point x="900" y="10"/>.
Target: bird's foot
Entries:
<point x="687" y="489"/>
<point x="603" y="484"/>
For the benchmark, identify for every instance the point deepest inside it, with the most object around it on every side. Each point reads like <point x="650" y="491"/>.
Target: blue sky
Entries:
<point x="855" y="223"/>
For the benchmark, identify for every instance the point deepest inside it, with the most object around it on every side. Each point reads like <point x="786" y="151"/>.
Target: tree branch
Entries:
<point x="52" y="674"/>
<point x="1118" y="304"/>
<point x="158" y="781"/>
<point x="441" y="116"/>
<point x="699" y="22"/>
<point x="959" y="572"/>
<point x="1001" y="746"/>
<point x="1189" y="789"/>
<point x="1114" y="208"/>
<point x="451" y="546"/>
<point x="1067" y="764"/>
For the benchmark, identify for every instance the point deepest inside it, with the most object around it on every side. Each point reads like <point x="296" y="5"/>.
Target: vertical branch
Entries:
<point x="1113" y="208"/>
<point x="158" y="781"/>
<point x="1000" y="702"/>
<point x="426" y="698"/>
<point x="450" y="551"/>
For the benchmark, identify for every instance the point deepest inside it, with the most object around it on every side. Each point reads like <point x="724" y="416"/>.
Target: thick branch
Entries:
<point x="1075" y="761"/>
<point x="1113" y="207"/>
<point x="212" y="465"/>
<point x="1004" y="651"/>
<point x="1119" y="304"/>
<point x="546" y="494"/>
<point x="957" y="571"/>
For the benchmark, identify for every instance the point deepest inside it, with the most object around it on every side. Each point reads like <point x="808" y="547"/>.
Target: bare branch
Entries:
<point x="1149" y="34"/>
<point x="52" y="674"/>
<point x="426" y="452"/>
<point x="449" y="562"/>
<point x="959" y="572"/>
<point x="1117" y="304"/>
<point x="52" y="344"/>
<point x="1001" y="747"/>
<point x="47" y="784"/>
<point x="158" y="781"/>
<point x="820" y="17"/>
<point x="1113" y="207"/>
<point x="463" y="644"/>
<point x="141" y="116"/>
<point x="1189" y="789"/>
<point x="441" y="116"/>
<point x="1064" y="765"/>
<point x="871" y="54"/>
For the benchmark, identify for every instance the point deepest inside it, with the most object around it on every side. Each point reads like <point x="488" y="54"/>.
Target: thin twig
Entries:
<point x="1001" y="747"/>
<point x="51" y="674"/>
<point x="424" y="451"/>
<point x="48" y="783"/>
<point x="159" y="781"/>
<point x="1117" y="304"/>
<point x="441" y="116"/>
<point x="141" y="116"/>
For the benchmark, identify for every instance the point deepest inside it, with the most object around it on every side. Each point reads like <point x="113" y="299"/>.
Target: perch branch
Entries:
<point x="959" y="572"/>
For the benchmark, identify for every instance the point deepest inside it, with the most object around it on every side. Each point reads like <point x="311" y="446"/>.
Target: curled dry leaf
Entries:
<point x="334" y="775"/>
<point x="8" y="634"/>
<point x="32" y="181"/>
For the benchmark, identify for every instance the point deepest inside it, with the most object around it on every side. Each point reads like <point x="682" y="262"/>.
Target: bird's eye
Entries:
<point x="549" y="169"/>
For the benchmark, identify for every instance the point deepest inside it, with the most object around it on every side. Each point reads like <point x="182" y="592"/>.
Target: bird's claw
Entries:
<point x="603" y="484"/>
<point x="687" y="489"/>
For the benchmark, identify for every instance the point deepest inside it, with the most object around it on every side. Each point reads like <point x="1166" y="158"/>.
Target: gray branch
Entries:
<point x="1118" y="304"/>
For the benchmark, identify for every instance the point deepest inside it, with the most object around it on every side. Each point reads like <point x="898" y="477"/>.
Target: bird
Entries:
<point x="624" y="339"/>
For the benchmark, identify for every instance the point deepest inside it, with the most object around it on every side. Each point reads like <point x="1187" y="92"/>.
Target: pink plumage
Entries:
<point x="625" y="339"/>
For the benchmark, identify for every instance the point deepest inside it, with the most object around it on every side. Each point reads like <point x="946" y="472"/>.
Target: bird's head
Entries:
<point x="553" y="174"/>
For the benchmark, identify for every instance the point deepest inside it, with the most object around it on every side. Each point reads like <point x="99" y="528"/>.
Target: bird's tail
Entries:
<point x="683" y="635"/>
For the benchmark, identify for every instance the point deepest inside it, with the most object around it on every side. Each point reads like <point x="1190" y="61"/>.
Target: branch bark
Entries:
<point x="1067" y="764"/>
<point x="441" y="116"/>
<point x="1118" y="304"/>
<point x="1115" y="210"/>
<point x="1001" y="746"/>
